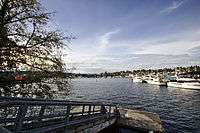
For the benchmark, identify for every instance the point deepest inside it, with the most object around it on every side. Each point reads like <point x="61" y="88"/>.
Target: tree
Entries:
<point x="25" y="39"/>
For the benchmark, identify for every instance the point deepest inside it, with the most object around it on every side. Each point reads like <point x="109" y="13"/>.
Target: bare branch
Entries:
<point x="33" y="32"/>
<point x="18" y="41"/>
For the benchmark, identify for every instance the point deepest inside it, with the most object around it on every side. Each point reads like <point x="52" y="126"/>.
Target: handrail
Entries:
<point x="21" y="114"/>
<point x="32" y="100"/>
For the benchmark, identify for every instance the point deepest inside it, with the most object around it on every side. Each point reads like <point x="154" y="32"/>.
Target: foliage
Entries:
<point x="25" y="39"/>
<point x="46" y="89"/>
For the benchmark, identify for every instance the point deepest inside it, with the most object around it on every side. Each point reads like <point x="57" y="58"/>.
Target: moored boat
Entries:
<point x="137" y="79"/>
<point x="156" y="81"/>
<point x="186" y="83"/>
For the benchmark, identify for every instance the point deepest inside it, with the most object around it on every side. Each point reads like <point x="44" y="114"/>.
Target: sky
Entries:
<point x="115" y="35"/>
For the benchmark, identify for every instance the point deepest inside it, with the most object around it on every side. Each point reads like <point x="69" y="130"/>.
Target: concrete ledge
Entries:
<point x="140" y="120"/>
<point x="99" y="127"/>
<point x="4" y="130"/>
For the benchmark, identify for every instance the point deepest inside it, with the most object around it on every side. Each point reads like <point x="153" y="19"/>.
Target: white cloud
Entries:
<point x="118" y="62"/>
<point x="105" y="38"/>
<point x="166" y="51"/>
<point x="198" y="31"/>
<point x="175" y="5"/>
<point x="172" y="48"/>
<point x="178" y="43"/>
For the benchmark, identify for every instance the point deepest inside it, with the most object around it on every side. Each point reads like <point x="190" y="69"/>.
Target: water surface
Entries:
<point x="179" y="109"/>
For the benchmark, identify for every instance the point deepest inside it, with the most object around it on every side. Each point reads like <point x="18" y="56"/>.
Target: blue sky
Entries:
<point x="115" y="35"/>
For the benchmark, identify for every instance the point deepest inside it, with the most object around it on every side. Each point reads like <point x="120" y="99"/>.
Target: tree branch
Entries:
<point x="33" y="32"/>
<point x="41" y="16"/>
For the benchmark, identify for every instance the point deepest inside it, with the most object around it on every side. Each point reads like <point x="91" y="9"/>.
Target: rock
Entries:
<point x="140" y="120"/>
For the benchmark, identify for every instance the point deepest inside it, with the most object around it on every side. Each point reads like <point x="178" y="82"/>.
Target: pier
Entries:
<point x="24" y="115"/>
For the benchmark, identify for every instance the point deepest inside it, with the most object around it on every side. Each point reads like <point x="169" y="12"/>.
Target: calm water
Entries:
<point x="179" y="109"/>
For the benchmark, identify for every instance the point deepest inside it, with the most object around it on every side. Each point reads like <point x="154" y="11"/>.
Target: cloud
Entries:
<point x="105" y="38"/>
<point x="180" y="48"/>
<point x="175" y="44"/>
<point x="175" y="5"/>
<point x="173" y="48"/>
<point x="195" y="50"/>
<point x="118" y="62"/>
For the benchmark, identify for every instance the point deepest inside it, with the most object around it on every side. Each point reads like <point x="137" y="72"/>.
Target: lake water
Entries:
<point x="179" y="109"/>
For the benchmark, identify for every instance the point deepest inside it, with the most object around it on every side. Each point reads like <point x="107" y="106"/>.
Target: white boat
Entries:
<point x="186" y="83"/>
<point x="156" y="81"/>
<point x="186" y="80"/>
<point x="137" y="79"/>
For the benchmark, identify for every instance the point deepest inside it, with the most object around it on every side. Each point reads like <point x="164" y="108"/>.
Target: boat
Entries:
<point x="156" y="81"/>
<point x="186" y="83"/>
<point x="137" y="80"/>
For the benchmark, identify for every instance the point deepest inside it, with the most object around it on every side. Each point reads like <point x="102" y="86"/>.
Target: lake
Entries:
<point x="179" y="109"/>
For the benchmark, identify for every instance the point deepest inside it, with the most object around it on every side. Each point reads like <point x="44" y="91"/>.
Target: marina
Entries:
<point x="173" y="81"/>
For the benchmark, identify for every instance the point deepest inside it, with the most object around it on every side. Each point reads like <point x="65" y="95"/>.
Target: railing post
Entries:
<point x="89" y="109"/>
<point x="93" y="109"/>
<point x="20" y="117"/>
<point x="41" y="113"/>
<point x="116" y="112"/>
<point x="103" y="109"/>
<point x="68" y="112"/>
<point x="5" y="114"/>
<point x="109" y="109"/>
<point x="83" y="109"/>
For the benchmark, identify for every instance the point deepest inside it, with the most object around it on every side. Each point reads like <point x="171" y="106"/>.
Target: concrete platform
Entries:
<point x="140" y="120"/>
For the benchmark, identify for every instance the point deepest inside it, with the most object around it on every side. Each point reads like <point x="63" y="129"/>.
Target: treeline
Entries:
<point x="40" y="75"/>
<point x="181" y="70"/>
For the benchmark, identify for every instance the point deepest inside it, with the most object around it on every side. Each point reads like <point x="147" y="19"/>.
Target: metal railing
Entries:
<point x="32" y="115"/>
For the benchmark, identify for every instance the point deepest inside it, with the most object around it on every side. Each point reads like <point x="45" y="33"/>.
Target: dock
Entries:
<point x="25" y="115"/>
